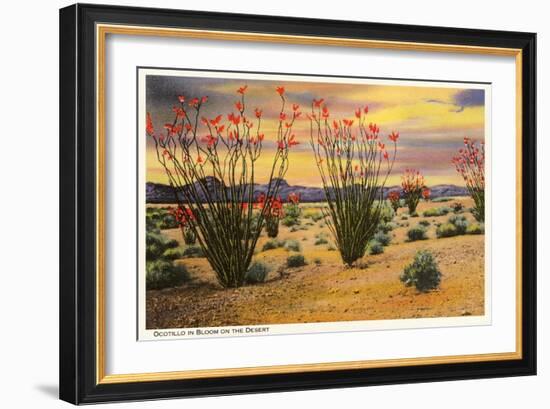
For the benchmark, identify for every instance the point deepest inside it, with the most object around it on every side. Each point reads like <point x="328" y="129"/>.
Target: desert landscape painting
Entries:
<point x="272" y="199"/>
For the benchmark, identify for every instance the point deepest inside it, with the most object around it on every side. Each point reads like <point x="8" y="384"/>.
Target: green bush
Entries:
<point x="272" y="244"/>
<point x="441" y="199"/>
<point x="315" y="216"/>
<point x="164" y="273"/>
<point x="446" y="230"/>
<point x="457" y="207"/>
<point x="437" y="211"/>
<point x="475" y="228"/>
<point x="289" y="221"/>
<point x="292" y="245"/>
<point x="386" y="227"/>
<point x="292" y="215"/>
<point x="296" y="260"/>
<point x="193" y="252"/>
<point x="321" y="240"/>
<point x="256" y="273"/>
<point x="167" y="221"/>
<point x="417" y="232"/>
<point x="156" y="244"/>
<point x="172" y="254"/>
<point x="375" y="247"/>
<point x="189" y="237"/>
<point x="424" y="223"/>
<point x="382" y="238"/>
<point x="460" y="223"/>
<point x="386" y="213"/>
<point x="423" y="272"/>
<point x="403" y="217"/>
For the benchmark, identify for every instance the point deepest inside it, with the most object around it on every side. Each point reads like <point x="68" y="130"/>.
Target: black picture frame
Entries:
<point x="78" y="312"/>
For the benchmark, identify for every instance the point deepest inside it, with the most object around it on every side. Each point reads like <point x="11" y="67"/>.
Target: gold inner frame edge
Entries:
<point x="102" y="30"/>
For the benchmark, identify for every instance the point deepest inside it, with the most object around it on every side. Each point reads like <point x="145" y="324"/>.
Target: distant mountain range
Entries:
<point x="159" y="193"/>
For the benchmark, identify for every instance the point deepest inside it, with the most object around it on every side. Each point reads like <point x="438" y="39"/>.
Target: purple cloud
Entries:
<point x="469" y="97"/>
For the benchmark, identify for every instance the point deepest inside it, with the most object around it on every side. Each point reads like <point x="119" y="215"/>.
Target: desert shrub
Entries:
<point x="156" y="244"/>
<point x="437" y="211"/>
<point x="382" y="238"/>
<point x="417" y="232"/>
<point x="289" y="221"/>
<point x="457" y="207"/>
<point x="414" y="214"/>
<point x="189" y="237"/>
<point x="331" y="247"/>
<point x="172" y="254"/>
<point x="386" y="213"/>
<point x="292" y="215"/>
<point x="292" y="245"/>
<point x="320" y="240"/>
<point x="460" y="223"/>
<point x="313" y="215"/>
<point x="296" y="260"/>
<point x="272" y="244"/>
<point x="375" y="247"/>
<point x="446" y="230"/>
<point x="193" y="252"/>
<point x="403" y="217"/>
<point x="424" y="223"/>
<point x="272" y="226"/>
<point x="475" y="228"/>
<point x="168" y="221"/>
<point x="386" y="227"/>
<point x="151" y="225"/>
<point x="423" y="272"/>
<point x="441" y="199"/>
<point x="317" y="261"/>
<point x="154" y="251"/>
<point x="164" y="273"/>
<point x="256" y="273"/>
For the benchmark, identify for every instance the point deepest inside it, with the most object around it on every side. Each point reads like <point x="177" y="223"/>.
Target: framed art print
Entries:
<point x="255" y="203"/>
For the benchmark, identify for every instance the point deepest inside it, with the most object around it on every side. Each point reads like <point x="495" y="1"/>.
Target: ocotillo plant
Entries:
<point x="470" y="164"/>
<point x="183" y="217"/>
<point x="273" y="217"/>
<point x="412" y="184"/>
<point x="354" y="166"/>
<point x="395" y="200"/>
<point x="292" y="209"/>
<point x="426" y="193"/>
<point x="212" y="167"/>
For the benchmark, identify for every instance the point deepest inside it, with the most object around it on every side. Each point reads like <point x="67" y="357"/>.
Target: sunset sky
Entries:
<point x="432" y="121"/>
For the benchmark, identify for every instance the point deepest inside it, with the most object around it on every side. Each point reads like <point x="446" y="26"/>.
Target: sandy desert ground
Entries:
<point x="326" y="291"/>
